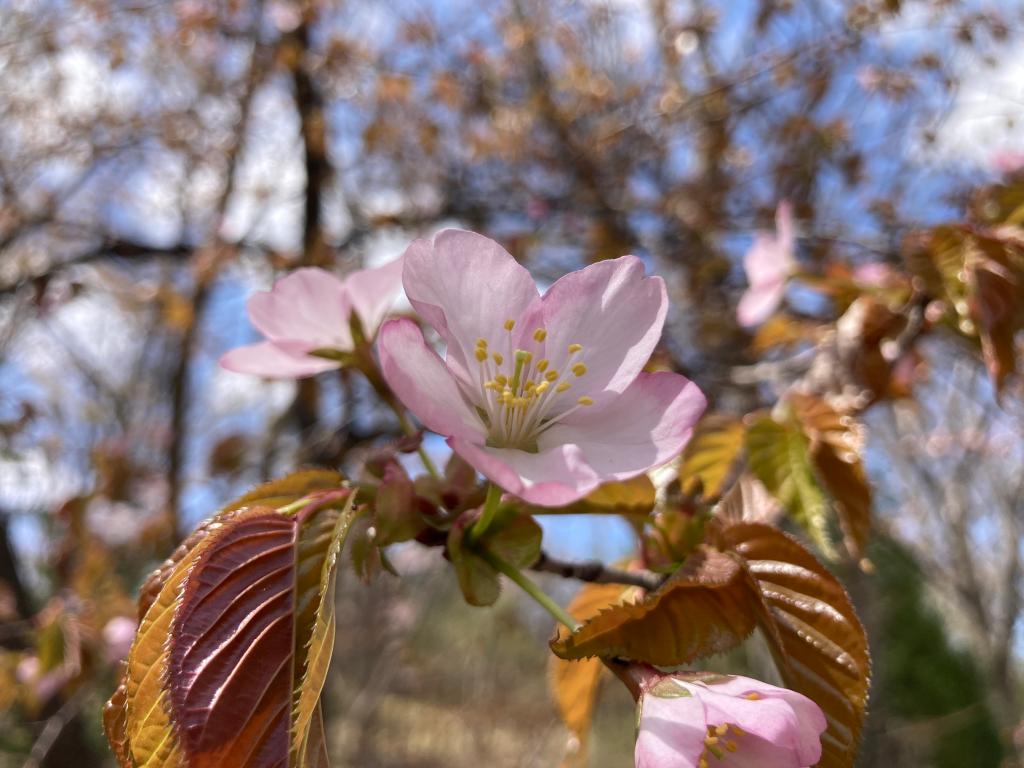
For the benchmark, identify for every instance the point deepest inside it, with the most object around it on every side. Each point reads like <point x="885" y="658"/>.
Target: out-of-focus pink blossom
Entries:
<point x="1008" y="160"/>
<point x="870" y="77"/>
<point x="543" y="395"/>
<point x="118" y="634"/>
<point x="702" y="720"/>
<point x="307" y="316"/>
<point x="768" y="264"/>
<point x="874" y="274"/>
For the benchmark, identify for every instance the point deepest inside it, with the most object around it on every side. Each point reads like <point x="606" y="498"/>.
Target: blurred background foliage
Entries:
<point x="159" y="161"/>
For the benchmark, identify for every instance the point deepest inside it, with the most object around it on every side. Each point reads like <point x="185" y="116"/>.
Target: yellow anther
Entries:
<point x="510" y="324"/>
<point x="585" y="400"/>
<point x="579" y="369"/>
<point x="542" y="364"/>
<point x="543" y="387"/>
<point x="551" y="375"/>
<point x="540" y="334"/>
<point x="530" y="386"/>
<point x="574" y="348"/>
<point x="481" y="342"/>
<point x="481" y="354"/>
<point x="499" y="358"/>
<point x="506" y="396"/>
<point x="563" y="386"/>
<point x="703" y="762"/>
<point x="721" y="729"/>
<point x="731" y="745"/>
<point x="737" y="730"/>
<point x="710" y="741"/>
<point x="501" y="379"/>
<point x="527" y="357"/>
<point x="752" y="696"/>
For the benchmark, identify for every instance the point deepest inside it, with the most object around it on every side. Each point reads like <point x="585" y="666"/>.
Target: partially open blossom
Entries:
<point x="768" y="264"/>
<point x="307" y="317"/>
<point x="542" y="395"/>
<point x="706" y="721"/>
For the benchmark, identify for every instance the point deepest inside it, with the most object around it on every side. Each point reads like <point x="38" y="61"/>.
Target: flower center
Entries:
<point x="523" y="394"/>
<point x="720" y="742"/>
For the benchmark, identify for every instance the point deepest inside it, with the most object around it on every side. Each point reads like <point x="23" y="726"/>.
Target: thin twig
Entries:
<point x="55" y="725"/>
<point x="595" y="572"/>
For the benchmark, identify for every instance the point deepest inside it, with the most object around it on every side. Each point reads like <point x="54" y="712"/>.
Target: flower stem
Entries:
<point x="541" y="597"/>
<point x="487" y="516"/>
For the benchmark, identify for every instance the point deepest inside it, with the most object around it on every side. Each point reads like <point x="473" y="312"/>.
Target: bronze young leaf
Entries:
<point x="232" y="652"/>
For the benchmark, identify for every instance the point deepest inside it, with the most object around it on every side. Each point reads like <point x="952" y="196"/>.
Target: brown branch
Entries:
<point x="208" y="266"/>
<point x="596" y="572"/>
<point x="113" y="248"/>
<point x="310" y="105"/>
<point x="575" y="153"/>
<point x="10" y="577"/>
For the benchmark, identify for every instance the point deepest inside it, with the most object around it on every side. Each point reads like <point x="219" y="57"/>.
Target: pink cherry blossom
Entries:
<point x="1008" y="160"/>
<point x="542" y="395"/>
<point x="310" y="311"/>
<point x="768" y="265"/>
<point x="118" y="635"/>
<point x="706" y="721"/>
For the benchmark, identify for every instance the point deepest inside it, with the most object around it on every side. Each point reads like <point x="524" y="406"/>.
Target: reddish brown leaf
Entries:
<point x="704" y="608"/>
<point x="232" y="645"/>
<point x="817" y="640"/>
<point x="996" y="295"/>
<point x="115" y="722"/>
<point x="241" y="631"/>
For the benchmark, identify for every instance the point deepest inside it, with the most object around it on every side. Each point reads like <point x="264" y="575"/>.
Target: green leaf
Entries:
<point x="779" y="456"/>
<point x="837" y="444"/>
<point x="514" y="537"/>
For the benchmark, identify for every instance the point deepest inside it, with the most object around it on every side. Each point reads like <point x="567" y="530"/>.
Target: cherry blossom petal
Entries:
<point x="645" y="426"/>
<point x="421" y="381"/>
<point x="310" y="304"/>
<point x="373" y="292"/>
<point x="875" y="274"/>
<point x="615" y="312"/>
<point x="672" y="732"/>
<point x="550" y="478"/>
<point x="808" y="716"/>
<point x="274" y="361"/>
<point x="785" y="230"/>
<point x="759" y="302"/>
<point x="758" y="753"/>
<point x="768" y="264"/>
<point x="466" y="286"/>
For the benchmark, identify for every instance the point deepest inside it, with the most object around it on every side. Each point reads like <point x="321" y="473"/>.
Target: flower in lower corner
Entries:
<point x="544" y="395"/>
<point x="768" y="265"/>
<point x="710" y="721"/>
<point x="307" y="320"/>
